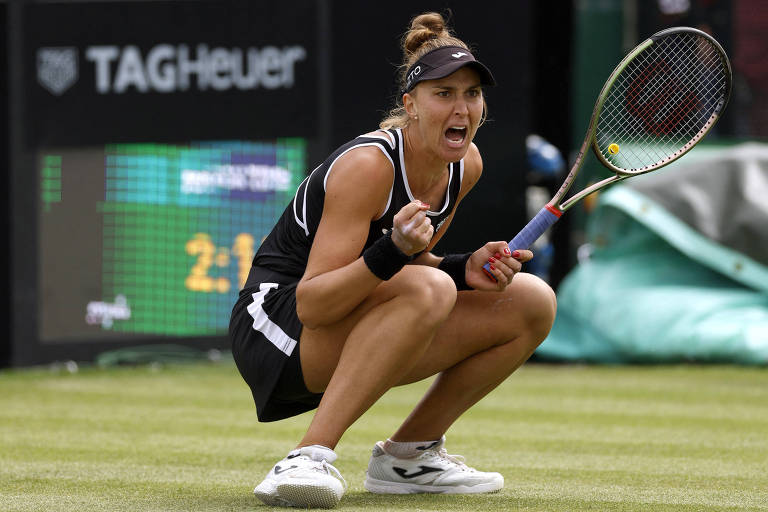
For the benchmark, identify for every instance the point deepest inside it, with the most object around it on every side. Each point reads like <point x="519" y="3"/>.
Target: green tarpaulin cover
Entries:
<point x="677" y="268"/>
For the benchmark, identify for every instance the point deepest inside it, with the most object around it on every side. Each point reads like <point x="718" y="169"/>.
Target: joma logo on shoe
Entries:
<point x="424" y="470"/>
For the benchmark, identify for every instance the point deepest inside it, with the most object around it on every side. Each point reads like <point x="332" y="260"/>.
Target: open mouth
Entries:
<point x="456" y="135"/>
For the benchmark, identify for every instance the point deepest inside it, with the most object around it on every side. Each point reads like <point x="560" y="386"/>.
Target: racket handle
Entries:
<point x="531" y="232"/>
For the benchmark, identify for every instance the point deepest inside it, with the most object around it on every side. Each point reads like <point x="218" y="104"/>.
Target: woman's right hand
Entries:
<point x="504" y="264"/>
<point x="411" y="228"/>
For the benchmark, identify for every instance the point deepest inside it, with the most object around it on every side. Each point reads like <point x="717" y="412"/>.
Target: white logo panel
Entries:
<point x="57" y="68"/>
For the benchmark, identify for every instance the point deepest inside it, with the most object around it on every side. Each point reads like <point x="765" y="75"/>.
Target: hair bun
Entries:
<point x="427" y="32"/>
<point x="424" y="27"/>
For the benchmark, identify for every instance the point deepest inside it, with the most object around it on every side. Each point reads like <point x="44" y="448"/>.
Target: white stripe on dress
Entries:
<point x="267" y="327"/>
<point x="364" y="144"/>
<point x="302" y="224"/>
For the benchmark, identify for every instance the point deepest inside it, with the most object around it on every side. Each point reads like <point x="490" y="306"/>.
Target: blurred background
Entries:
<point x="149" y="146"/>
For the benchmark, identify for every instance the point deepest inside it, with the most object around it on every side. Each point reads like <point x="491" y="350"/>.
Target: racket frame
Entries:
<point x="552" y="211"/>
<point x="590" y="139"/>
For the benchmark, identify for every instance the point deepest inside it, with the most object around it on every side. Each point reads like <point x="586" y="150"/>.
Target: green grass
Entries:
<point x="567" y="438"/>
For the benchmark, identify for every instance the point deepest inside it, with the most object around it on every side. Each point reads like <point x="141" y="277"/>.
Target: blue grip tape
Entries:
<point x="529" y="234"/>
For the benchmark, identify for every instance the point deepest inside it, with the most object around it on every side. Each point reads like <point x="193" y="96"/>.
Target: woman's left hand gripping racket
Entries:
<point x="657" y="104"/>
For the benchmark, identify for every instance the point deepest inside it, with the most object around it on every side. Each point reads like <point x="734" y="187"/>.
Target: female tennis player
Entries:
<point x="345" y="299"/>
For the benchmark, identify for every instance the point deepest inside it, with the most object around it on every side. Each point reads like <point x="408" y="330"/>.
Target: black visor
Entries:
<point x="442" y="62"/>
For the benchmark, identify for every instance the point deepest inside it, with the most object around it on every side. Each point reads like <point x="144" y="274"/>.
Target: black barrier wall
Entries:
<point x="5" y="344"/>
<point x="154" y="143"/>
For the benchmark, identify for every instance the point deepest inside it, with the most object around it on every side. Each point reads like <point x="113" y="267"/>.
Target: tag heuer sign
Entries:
<point x="100" y="73"/>
<point x="57" y="68"/>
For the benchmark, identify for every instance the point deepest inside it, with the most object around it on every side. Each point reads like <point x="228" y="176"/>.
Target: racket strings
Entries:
<point x="660" y="115"/>
<point x="661" y="102"/>
<point x="649" y="100"/>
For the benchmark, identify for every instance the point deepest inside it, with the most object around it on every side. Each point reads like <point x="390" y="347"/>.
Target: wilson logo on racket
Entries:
<point x="686" y="101"/>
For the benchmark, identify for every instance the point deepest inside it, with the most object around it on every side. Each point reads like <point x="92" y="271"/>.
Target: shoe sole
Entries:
<point x="271" y="499"/>
<point x="304" y="495"/>
<point x="385" y="487"/>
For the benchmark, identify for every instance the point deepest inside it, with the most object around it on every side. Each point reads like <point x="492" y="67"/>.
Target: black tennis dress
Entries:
<point x="264" y="328"/>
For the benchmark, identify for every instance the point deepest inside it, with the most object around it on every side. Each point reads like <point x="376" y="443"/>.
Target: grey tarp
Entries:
<point x="678" y="267"/>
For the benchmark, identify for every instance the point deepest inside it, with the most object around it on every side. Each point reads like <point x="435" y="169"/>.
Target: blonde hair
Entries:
<point x="427" y="32"/>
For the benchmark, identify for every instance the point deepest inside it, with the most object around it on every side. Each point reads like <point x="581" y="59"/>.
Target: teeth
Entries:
<point x="456" y="131"/>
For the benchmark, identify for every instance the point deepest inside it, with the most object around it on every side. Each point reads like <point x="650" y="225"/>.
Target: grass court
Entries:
<point x="566" y="438"/>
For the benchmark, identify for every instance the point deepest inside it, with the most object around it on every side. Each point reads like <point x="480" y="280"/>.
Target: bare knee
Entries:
<point x="525" y="311"/>
<point x="430" y="292"/>
<point x="539" y="306"/>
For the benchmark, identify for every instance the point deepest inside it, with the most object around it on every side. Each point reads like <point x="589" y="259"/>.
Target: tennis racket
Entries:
<point x="658" y="103"/>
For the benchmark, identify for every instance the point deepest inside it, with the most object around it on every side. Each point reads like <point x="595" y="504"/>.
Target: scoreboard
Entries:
<point x="154" y="239"/>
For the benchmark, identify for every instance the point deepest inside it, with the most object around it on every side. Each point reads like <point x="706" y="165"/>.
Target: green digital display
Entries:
<point x="155" y="239"/>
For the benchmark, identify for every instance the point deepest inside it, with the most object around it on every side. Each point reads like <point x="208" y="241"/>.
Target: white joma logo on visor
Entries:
<point x="457" y="55"/>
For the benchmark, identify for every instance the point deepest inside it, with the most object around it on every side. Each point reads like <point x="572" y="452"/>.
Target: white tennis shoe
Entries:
<point x="432" y="471"/>
<point x="304" y="479"/>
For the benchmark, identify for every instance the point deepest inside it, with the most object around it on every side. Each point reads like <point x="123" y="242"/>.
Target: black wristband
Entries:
<point x="384" y="259"/>
<point x="455" y="265"/>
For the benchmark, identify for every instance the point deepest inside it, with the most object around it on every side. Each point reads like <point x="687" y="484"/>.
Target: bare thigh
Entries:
<point x="522" y="313"/>
<point x="478" y="321"/>
<point x="427" y="296"/>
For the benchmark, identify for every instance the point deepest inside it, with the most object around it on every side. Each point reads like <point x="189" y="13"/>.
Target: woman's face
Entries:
<point x="448" y="112"/>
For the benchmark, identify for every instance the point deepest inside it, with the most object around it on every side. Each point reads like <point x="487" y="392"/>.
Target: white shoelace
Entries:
<point x="459" y="460"/>
<point x="330" y="469"/>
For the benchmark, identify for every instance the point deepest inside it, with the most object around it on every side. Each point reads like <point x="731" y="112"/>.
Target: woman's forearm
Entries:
<point x="327" y="298"/>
